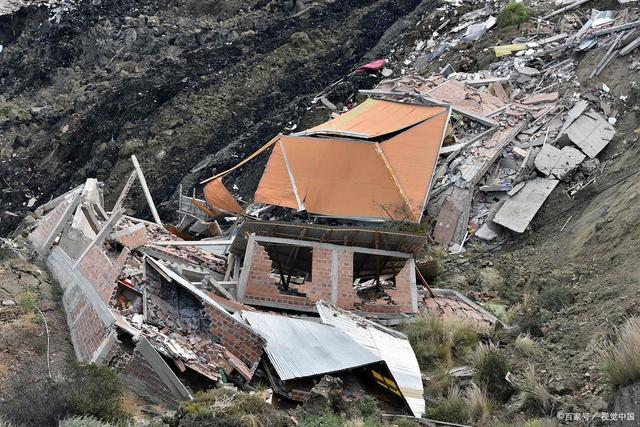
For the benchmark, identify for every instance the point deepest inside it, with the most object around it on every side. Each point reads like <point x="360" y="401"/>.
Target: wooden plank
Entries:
<point x="446" y="223"/>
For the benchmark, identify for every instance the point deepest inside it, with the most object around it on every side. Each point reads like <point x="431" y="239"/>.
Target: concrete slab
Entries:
<point x="591" y="133"/>
<point x="559" y="163"/>
<point x="517" y="212"/>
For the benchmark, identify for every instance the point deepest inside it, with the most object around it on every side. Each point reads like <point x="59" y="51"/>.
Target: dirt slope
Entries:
<point x="170" y="81"/>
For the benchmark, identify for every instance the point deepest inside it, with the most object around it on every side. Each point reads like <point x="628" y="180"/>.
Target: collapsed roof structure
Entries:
<point x="375" y="161"/>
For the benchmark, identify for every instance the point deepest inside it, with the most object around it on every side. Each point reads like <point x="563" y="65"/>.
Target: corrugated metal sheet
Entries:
<point x="391" y="346"/>
<point x="356" y="179"/>
<point x="374" y="118"/>
<point x="301" y="348"/>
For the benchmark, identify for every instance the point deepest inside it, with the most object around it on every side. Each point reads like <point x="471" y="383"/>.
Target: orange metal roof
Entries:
<point x="218" y="197"/>
<point x="358" y="179"/>
<point x="374" y="118"/>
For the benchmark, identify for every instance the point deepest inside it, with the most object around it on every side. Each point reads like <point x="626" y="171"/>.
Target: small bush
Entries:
<point x="84" y="390"/>
<point x="84" y="421"/>
<point x="534" y="397"/>
<point x="27" y="300"/>
<point x="620" y="362"/>
<point x="453" y="409"/>
<point x="555" y="298"/>
<point x="439" y="341"/>
<point x="479" y="403"/>
<point x="526" y="315"/>
<point x="491" y="368"/>
<point x="368" y="407"/>
<point x="525" y="344"/>
<point x="513" y="14"/>
<point x="227" y="407"/>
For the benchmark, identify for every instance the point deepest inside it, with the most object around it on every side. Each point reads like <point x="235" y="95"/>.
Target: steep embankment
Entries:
<point x="170" y="81"/>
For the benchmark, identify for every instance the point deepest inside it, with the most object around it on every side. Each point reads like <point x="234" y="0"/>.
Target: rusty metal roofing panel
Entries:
<point x="218" y="197"/>
<point x="334" y="177"/>
<point x="374" y="118"/>
<point x="391" y="346"/>
<point x="300" y="348"/>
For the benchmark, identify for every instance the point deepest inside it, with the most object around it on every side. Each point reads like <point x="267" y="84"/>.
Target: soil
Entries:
<point x="23" y="335"/>
<point x="177" y="83"/>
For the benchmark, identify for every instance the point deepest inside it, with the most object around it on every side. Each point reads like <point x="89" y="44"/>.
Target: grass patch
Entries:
<point x="27" y="300"/>
<point x="525" y="344"/>
<point x="513" y="14"/>
<point x="454" y="408"/>
<point x="620" y="361"/>
<point x="227" y="407"/>
<point x="491" y="368"/>
<point x="555" y="298"/>
<point x="526" y="315"/>
<point x="440" y="342"/>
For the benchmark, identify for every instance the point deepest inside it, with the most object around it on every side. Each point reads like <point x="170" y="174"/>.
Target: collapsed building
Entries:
<point x="226" y="296"/>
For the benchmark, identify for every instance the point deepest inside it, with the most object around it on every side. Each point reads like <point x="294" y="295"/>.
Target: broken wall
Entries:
<point x="332" y="280"/>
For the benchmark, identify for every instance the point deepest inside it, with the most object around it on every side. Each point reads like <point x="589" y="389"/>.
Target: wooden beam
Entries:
<point x="146" y="191"/>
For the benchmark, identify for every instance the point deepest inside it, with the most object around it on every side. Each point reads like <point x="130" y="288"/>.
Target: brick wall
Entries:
<point x="401" y="295"/>
<point x="262" y="288"/>
<point x="319" y="287"/>
<point x="236" y="337"/>
<point x="100" y="271"/>
<point x="132" y="237"/>
<point x="86" y="328"/>
<point x="178" y="306"/>
<point x="41" y="235"/>
<point x="140" y="377"/>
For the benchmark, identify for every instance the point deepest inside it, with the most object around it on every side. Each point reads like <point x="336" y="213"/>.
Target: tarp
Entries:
<point x="350" y="178"/>
<point x="219" y="198"/>
<point x="374" y="118"/>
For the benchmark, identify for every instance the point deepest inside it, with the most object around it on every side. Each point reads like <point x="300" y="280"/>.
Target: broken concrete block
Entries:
<point x="591" y="133"/>
<point x="517" y="212"/>
<point x="446" y="224"/>
<point x="559" y="163"/>
<point x="541" y="98"/>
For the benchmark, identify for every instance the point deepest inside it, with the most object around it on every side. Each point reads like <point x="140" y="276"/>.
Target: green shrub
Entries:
<point x="27" y="300"/>
<point x="84" y="390"/>
<point x="439" y="341"/>
<point x="554" y="298"/>
<point x="453" y="409"/>
<point x="619" y="361"/>
<point x="491" y="368"/>
<point x="513" y="14"/>
<point x="368" y="407"/>
<point x="479" y="404"/>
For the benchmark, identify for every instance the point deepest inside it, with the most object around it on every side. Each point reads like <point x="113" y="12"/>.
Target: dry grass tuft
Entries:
<point x="533" y="393"/>
<point x="439" y="342"/>
<point x="479" y="403"/>
<point x="620" y="361"/>
<point x="525" y="344"/>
